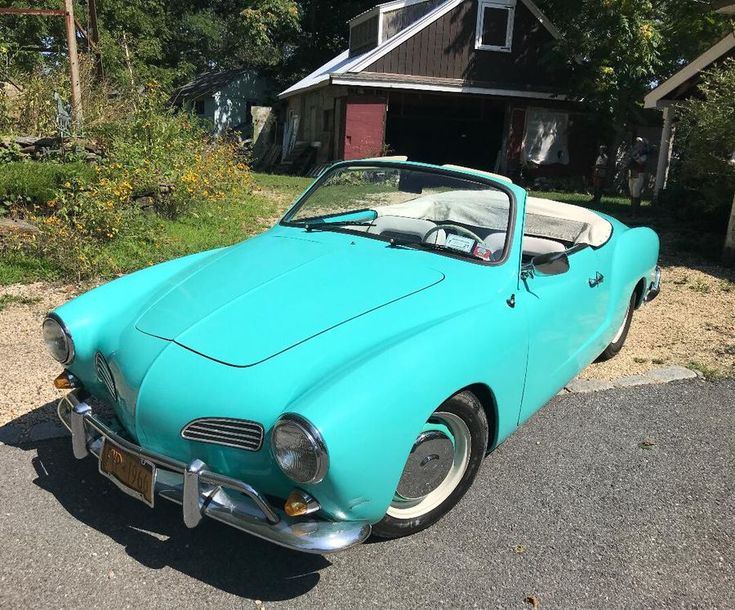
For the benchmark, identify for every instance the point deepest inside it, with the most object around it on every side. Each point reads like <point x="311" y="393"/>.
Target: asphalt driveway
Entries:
<point x="620" y="499"/>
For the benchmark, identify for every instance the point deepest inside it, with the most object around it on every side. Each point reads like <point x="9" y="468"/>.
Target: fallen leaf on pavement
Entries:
<point x="520" y="548"/>
<point x="534" y="601"/>
<point x="647" y="444"/>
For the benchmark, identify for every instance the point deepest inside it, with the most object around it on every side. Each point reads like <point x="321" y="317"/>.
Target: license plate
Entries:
<point x="133" y="475"/>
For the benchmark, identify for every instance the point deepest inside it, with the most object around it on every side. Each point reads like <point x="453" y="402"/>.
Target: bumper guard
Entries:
<point x="655" y="288"/>
<point x="201" y="492"/>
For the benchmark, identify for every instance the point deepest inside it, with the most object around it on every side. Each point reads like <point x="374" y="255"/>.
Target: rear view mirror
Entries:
<point x="554" y="263"/>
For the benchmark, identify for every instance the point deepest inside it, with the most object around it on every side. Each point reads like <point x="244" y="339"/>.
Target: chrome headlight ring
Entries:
<point x="299" y="449"/>
<point x="58" y="339"/>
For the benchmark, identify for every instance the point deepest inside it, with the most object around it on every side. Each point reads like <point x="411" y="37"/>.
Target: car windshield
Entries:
<point x="410" y="207"/>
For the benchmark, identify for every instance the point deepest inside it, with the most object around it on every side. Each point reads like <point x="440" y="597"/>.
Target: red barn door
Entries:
<point x="364" y="128"/>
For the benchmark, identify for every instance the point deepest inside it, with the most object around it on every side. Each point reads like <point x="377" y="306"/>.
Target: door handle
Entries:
<point x="598" y="279"/>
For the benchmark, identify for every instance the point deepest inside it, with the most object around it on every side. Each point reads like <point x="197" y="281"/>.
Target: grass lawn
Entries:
<point x="211" y="227"/>
<point x="214" y="226"/>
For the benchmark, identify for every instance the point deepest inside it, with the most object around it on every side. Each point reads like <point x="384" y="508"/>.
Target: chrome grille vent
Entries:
<point x="104" y="374"/>
<point x="238" y="433"/>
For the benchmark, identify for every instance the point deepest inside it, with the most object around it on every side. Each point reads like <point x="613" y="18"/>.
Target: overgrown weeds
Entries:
<point x="156" y="163"/>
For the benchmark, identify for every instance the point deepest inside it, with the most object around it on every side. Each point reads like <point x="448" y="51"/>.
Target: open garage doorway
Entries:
<point x="462" y="130"/>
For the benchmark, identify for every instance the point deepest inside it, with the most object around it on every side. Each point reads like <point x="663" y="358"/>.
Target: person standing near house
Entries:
<point x="599" y="175"/>
<point x="637" y="172"/>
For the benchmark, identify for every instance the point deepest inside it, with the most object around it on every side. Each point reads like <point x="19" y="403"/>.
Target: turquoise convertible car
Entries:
<point x="347" y="371"/>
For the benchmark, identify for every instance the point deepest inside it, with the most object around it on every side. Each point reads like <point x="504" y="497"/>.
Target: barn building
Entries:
<point x="470" y="82"/>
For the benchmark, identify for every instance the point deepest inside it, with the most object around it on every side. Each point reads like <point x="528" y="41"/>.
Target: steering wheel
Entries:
<point x="456" y="229"/>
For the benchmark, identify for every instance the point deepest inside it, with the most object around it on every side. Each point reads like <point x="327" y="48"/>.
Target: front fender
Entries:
<point x="371" y="410"/>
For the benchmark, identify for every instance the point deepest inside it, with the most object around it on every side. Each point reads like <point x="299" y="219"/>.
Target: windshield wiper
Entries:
<point x="332" y="226"/>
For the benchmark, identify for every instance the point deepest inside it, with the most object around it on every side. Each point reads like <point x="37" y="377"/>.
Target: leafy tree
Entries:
<point x="211" y="35"/>
<point x="324" y="34"/>
<point x="163" y="40"/>
<point x="622" y="47"/>
<point x="702" y="175"/>
<point x="28" y="42"/>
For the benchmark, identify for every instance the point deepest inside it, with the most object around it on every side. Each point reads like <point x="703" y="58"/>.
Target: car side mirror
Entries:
<point x="553" y="263"/>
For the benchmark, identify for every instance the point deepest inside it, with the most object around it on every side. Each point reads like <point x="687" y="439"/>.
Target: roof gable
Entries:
<point x="210" y="83"/>
<point x="655" y="99"/>
<point x="448" y="49"/>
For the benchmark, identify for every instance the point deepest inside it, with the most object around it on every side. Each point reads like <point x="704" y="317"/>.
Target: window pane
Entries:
<point x="495" y="26"/>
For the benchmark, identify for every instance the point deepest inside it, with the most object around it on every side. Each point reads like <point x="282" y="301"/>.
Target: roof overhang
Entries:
<point x="658" y="97"/>
<point x="439" y="85"/>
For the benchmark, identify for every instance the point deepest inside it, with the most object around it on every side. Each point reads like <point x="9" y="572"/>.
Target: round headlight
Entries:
<point x="58" y="340"/>
<point x="299" y="449"/>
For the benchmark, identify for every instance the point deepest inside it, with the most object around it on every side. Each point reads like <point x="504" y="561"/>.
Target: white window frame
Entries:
<point x="510" y="6"/>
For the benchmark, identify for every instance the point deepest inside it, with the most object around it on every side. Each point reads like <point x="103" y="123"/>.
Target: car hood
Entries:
<point x="271" y="293"/>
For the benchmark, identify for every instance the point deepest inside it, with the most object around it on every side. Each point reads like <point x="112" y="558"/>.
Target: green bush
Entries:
<point x="156" y="160"/>
<point x="702" y="181"/>
<point x="39" y="183"/>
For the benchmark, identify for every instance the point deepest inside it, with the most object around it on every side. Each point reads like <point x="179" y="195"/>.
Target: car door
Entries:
<point x="565" y="314"/>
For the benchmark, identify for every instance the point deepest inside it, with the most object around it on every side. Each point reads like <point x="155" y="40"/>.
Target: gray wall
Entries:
<point x="228" y="108"/>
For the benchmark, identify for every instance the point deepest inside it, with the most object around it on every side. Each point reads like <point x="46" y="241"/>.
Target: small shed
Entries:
<point x="469" y="82"/>
<point x="226" y="99"/>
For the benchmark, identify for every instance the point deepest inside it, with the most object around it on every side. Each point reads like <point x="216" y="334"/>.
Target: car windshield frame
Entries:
<point x="469" y="175"/>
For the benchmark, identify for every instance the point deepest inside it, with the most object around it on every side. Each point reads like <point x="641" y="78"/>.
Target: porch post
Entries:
<point x="728" y="254"/>
<point x="664" y="154"/>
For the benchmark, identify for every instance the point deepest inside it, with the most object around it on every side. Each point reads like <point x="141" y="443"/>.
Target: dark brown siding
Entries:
<point x="446" y="49"/>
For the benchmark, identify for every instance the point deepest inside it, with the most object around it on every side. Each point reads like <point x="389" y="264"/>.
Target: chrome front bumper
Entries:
<point x="655" y="289"/>
<point x="201" y="492"/>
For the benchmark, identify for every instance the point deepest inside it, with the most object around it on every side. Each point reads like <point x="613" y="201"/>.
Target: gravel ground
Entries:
<point x="620" y="499"/>
<point x="692" y="322"/>
<point x="28" y="370"/>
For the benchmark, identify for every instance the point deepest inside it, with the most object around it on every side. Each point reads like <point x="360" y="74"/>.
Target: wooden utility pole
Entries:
<point x="76" y="87"/>
<point x="71" y="39"/>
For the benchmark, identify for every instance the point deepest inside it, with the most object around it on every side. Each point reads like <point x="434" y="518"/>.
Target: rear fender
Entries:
<point x="634" y="258"/>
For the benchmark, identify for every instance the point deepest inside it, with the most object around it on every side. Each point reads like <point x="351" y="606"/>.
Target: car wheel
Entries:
<point x="614" y="348"/>
<point x="440" y="469"/>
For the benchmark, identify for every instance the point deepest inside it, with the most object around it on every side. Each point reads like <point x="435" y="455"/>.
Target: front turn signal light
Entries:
<point x="66" y="381"/>
<point x="300" y="503"/>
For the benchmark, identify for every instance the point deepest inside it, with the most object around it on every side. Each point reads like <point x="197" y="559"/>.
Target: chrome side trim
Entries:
<point x="203" y="493"/>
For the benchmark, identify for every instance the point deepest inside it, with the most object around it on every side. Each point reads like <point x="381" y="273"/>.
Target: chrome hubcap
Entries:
<point x="437" y="463"/>
<point x="428" y="465"/>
